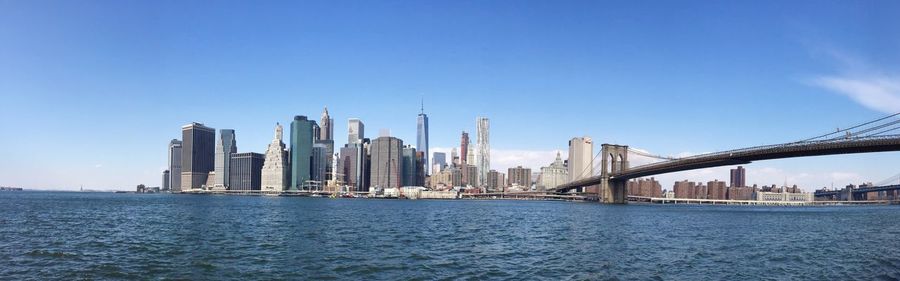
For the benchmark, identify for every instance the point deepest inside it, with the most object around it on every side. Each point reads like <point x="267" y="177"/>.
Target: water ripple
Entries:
<point x="73" y="236"/>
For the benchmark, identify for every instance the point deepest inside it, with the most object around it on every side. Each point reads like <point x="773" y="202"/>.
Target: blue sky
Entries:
<point x="93" y="90"/>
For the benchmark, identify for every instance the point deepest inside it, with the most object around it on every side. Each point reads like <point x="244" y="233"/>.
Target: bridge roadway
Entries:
<point x="859" y="193"/>
<point x="747" y="155"/>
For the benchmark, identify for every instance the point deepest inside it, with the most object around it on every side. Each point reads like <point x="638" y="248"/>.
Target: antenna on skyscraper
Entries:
<point x="423" y="106"/>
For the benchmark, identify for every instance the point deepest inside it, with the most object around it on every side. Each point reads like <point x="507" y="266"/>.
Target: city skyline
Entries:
<point x="803" y="76"/>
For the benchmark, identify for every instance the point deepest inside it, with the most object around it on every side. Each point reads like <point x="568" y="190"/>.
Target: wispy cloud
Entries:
<point x="864" y="84"/>
<point x="881" y="93"/>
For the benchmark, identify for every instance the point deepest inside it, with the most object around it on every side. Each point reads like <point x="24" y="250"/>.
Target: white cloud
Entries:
<point x="98" y="166"/>
<point x="879" y="92"/>
<point x="864" y="84"/>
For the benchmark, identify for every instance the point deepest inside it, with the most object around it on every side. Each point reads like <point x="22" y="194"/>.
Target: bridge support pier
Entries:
<point x="613" y="192"/>
<point x="614" y="160"/>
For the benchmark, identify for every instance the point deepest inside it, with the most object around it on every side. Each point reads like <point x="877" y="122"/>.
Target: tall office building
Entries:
<point x="355" y="130"/>
<point x="409" y="167"/>
<point x="327" y="124"/>
<point x="165" y="181"/>
<point x="319" y="164"/>
<point x="439" y="161"/>
<point x="386" y="162"/>
<point x="463" y="158"/>
<point x="246" y="171"/>
<point x="301" y="151"/>
<point x="555" y="174"/>
<point x="454" y="157"/>
<point x="198" y="155"/>
<point x="326" y="137"/>
<point x="581" y="160"/>
<point x="175" y="165"/>
<point x="225" y="146"/>
<point x="738" y="177"/>
<point x="275" y="171"/>
<point x="354" y="165"/>
<point x="483" y="153"/>
<point x="422" y="139"/>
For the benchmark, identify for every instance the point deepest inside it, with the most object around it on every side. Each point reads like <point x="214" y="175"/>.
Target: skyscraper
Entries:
<point x="463" y="158"/>
<point x="245" y="171"/>
<point x="301" y="151"/>
<point x="275" y="168"/>
<point x="483" y="155"/>
<point x="439" y="160"/>
<point x="198" y="155"/>
<point x="327" y="124"/>
<point x="355" y="165"/>
<point x="422" y="140"/>
<point x="409" y="168"/>
<point x="581" y="160"/>
<point x="454" y="157"/>
<point x="318" y="164"/>
<point x="355" y="130"/>
<point x="165" y="181"/>
<point x="738" y="177"/>
<point x="225" y="146"/>
<point x="326" y="137"/>
<point x="175" y="165"/>
<point x="386" y="162"/>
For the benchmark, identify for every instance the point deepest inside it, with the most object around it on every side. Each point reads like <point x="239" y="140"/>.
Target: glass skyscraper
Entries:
<point x="301" y="151"/>
<point x="422" y="140"/>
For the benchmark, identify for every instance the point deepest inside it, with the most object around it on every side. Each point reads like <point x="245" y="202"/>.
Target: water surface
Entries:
<point x="59" y="235"/>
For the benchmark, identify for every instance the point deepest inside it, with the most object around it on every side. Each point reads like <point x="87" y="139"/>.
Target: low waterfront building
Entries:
<point x="644" y="188"/>
<point x="784" y="197"/>
<point x="741" y="193"/>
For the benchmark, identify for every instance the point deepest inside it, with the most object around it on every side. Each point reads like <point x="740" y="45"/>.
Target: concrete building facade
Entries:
<point x="175" y="165"/>
<point x="386" y="163"/>
<point x="555" y="174"/>
<point x="581" y="158"/>
<point x="519" y="176"/>
<point x="225" y="146"/>
<point x="276" y="169"/>
<point x="738" y="177"/>
<point x="356" y="130"/>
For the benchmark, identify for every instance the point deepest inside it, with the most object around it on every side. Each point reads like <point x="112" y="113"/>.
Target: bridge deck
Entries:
<point x="747" y="155"/>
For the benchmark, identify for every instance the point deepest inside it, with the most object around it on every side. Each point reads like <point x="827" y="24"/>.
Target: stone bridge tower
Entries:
<point x="614" y="160"/>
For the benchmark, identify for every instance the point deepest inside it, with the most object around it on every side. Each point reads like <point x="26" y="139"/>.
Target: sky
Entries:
<point x="93" y="91"/>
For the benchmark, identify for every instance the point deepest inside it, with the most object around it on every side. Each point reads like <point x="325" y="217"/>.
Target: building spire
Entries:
<point x="423" y="106"/>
